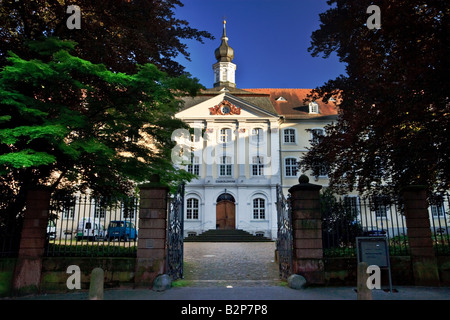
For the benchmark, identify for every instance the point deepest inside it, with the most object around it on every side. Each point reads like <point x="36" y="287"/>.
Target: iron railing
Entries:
<point x="349" y="217"/>
<point x="284" y="235"/>
<point x="92" y="226"/>
<point x="175" y="234"/>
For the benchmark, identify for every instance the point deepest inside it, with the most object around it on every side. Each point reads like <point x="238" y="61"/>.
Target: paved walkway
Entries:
<point x="243" y="271"/>
<point x="222" y="264"/>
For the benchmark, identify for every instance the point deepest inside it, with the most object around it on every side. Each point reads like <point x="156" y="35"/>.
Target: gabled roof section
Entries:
<point x="258" y="100"/>
<point x="253" y="105"/>
<point x="293" y="106"/>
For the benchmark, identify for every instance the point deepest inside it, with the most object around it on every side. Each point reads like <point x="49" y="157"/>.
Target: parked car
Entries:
<point x="51" y="230"/>
<point x="91" y="229"/>
<point x="121" y="229"/>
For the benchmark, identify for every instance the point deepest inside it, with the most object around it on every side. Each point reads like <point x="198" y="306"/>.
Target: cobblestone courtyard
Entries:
<point x="228" y="263"/>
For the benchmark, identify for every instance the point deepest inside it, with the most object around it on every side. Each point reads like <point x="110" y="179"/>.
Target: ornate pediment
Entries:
<point x="225" y="108"/>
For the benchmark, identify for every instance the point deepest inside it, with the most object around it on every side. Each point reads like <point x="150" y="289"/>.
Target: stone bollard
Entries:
<point x="296" y="281"/>
<point x="364" y="293"/>
<point x="96" y="284"/>
<point x="162" y="282"/>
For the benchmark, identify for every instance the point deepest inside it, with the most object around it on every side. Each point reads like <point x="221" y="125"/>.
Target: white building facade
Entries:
<point x="237" y="153"/>
<point x="236" y="157"/>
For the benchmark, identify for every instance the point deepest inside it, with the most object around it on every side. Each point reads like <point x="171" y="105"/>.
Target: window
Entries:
<point x="192" y="209"/>
<point x="257" y="135"/>
<point x="100" y="209"/>
<point x="437" y="206"/>
<point x="316" y="134"/>
<point x="195" y="138"/>
<point x="321" y="170"/>
<point x="437" y="210"/>
<point x="224" y="74"/>
<point x="351" y="205"/>
<point x="381" y="206"/>
<point x="290" y="167"/>
<point x="225" y="135"/>
<point x="259" y="209"/>
<point x="289" y="135"/>
<point x="225" y="166"/>
<point x="257" y="166"/>
<point x="130" y="207"/>
<point x="194" y="166"/>
<point x="313" y="107"/>
<point x="68" y="210"/>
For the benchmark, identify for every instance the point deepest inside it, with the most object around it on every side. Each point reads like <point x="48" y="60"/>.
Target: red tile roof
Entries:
<point x="295" y="106"/>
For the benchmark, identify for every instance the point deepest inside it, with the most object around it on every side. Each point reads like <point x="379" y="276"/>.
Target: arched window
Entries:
<point x="259" y="209"/>
<point x="192" y="209"/>
<point x="225" y="197"/>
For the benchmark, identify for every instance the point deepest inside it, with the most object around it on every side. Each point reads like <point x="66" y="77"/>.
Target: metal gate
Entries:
<point x="175" y="235"/>
<point x="284" y="239"/>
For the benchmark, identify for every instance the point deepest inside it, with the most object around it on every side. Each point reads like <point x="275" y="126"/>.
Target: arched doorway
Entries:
<point x="225" y="212"/>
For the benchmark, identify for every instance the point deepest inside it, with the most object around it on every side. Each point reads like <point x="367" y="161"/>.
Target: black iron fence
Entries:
<point x="349" y="217"/>
<point x="88" y="226"/>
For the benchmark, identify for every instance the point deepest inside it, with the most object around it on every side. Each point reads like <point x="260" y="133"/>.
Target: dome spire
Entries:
<point x="224" y="53"/>
<point x="224" y="69"/>
<point x="224" y="36"/>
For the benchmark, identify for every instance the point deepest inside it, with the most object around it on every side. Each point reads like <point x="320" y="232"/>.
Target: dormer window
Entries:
<point x="313" y="107"/>
<point x="281" y="99"/>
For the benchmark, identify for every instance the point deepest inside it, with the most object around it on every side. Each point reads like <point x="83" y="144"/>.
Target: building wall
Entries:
<point x="296" y="149"/>
<point x="242" y="184"/>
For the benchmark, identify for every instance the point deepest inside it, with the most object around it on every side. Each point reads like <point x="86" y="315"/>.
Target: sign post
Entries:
<point x="374" y="251"/>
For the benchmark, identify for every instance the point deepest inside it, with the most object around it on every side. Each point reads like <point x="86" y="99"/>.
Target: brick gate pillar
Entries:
<point x="151" y="252"/>
<point x="423" y="257"/>
<point x="307" y="231"/>
<point x="27" y="273"/>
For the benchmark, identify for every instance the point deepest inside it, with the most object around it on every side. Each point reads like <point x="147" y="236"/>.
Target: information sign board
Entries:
<point x="374" y="251"/>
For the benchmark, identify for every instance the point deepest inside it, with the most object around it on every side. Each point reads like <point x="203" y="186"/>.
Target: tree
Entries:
<point x="340" y="225"/>
<point x="117" y="33"/>
<point x="68" y="123"/>
<point x="393" y="124"/>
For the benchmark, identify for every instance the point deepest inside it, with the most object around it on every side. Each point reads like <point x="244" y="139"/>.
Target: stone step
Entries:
<point x="223" y="235"/>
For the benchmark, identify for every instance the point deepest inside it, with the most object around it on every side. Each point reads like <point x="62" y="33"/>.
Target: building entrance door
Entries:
<point x="225" y="215"/>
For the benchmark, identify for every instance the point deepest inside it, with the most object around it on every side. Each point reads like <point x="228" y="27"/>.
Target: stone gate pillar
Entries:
<point x="27" y="273"/>
<point x="423" y="257"/>
<point x="151" y="252"/>
<point x="307" y="231"/>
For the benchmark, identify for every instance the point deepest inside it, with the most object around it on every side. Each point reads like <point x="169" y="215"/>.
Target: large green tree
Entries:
<point x="394" y="113"/>
<point x="68" y="123"/>
<point x="70" y="115"/>
<point x="117" y="33"/>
